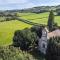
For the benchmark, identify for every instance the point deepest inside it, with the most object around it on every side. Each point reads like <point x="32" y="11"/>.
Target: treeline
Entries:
<point x="39" y="9"/>
<point x="6" y="16"/>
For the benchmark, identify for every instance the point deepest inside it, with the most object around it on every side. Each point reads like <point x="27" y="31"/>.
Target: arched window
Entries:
<point x="44" y="32"/>
<point x="43" y="45"/>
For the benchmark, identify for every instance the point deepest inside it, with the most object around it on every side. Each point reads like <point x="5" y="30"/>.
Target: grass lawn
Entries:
<point x="7" y="30"/>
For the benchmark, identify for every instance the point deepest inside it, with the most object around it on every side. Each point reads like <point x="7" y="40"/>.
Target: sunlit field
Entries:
<point x="41" y="18"/>
<point x="7" y="30"/>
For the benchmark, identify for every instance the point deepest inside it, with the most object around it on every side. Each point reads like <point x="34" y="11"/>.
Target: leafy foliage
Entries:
<point x="25" y="39"/>
<point x="53" y="50"/>
<point x="12" y="53"/>
<point x="38" y="30"/>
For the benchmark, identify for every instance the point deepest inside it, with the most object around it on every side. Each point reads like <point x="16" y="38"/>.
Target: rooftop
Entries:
<point x="55" y="33"/>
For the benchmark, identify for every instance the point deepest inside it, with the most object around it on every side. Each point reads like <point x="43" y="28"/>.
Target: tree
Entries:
<point x="25" y="39"/>
<point x="38" y="30"/>
<point x="51" y="20"/>
<point x="53" y="49"/>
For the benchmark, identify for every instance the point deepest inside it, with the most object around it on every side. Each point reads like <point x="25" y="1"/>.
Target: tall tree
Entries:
<point x="51" y="20"/>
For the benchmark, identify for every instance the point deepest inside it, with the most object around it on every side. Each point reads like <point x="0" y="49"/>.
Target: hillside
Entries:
<point x="39" y="9"/>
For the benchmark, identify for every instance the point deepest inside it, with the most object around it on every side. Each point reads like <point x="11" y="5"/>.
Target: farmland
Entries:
<point x="7" y="28"/>
<point x="41" y="18"/>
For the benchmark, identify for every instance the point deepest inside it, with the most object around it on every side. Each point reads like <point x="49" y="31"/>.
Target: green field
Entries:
<point x="41" y="18"/>
<point x="7" y="30"/>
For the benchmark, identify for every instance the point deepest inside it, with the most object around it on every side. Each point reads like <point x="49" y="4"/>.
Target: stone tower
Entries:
<point x="43" y="41"/>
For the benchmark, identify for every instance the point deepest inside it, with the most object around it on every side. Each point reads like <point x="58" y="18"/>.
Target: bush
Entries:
<point x="25" y="39"/>
<point x="53" y="50"/>
<point x="37" y="30"/>
<point x="12" y="53"/>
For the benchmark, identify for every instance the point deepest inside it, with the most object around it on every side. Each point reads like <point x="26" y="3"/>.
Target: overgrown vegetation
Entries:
<point x="53" y="50"/>
<point x="28" y="38"/>
<point x="25" y="39"/>
<point x="12" y="53"/>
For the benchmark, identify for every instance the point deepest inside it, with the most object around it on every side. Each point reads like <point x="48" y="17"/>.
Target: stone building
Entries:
<point x="46" y="35"/>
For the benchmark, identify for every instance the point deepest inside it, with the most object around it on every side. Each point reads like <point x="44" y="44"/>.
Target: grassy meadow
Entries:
<point x="7" y="28"/>
<point x="41" y="18"/>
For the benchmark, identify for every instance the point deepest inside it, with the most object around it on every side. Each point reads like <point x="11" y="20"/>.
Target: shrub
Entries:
<point x="25" y="39"/>
<point x="53" y="50"/>
<point x="37" y="30"/>
<point x="12" y="53"/>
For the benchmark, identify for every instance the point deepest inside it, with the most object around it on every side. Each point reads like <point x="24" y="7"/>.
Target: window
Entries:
<point x="44" y="32"/>
<point x="43" y="46"/>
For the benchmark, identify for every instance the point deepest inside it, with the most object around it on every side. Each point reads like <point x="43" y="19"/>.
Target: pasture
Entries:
<point x="7" y="30"/>
<point x="41" y="18"/>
